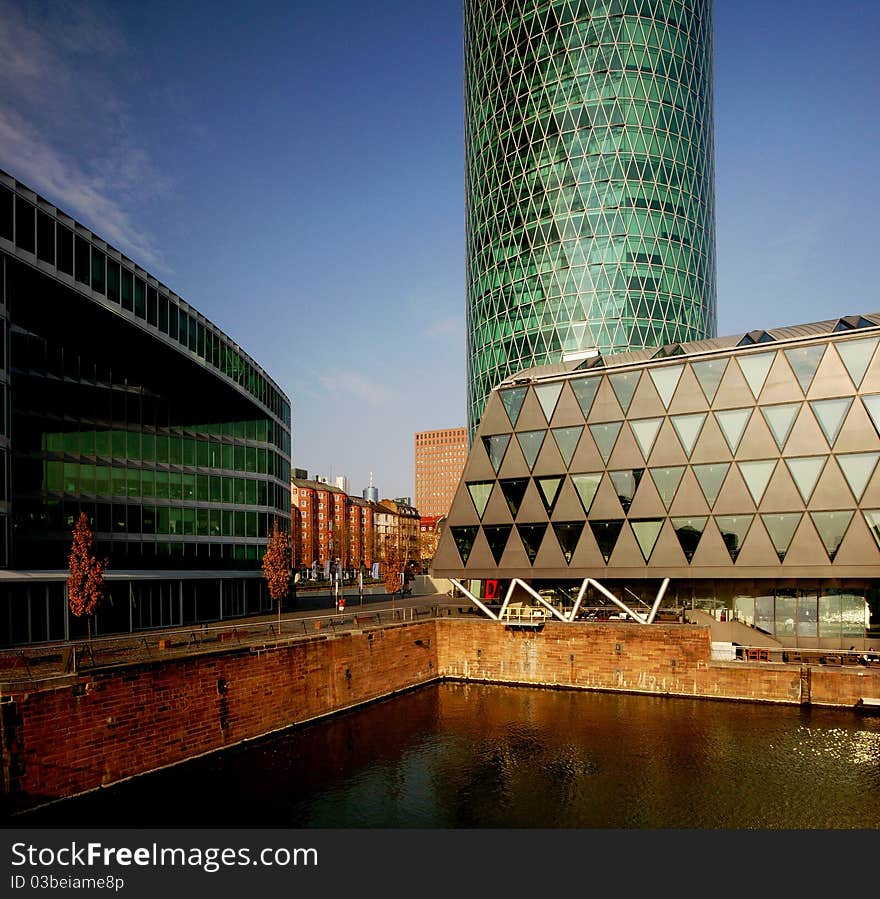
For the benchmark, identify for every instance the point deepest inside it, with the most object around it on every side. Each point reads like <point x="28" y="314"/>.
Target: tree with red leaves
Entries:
<point x="276" y="566"/>
<point x="85" y="579"/>
<point x="393" y="566"/>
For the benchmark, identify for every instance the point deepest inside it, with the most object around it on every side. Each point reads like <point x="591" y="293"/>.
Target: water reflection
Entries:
<point x="464" y="755"/>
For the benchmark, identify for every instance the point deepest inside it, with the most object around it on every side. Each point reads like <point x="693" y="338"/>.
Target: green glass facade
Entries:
<point x="590" y="208"/>
<point x="120" y="400"/>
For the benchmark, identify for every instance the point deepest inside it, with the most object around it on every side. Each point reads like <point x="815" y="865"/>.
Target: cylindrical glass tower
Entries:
<point x="590" y="173"/>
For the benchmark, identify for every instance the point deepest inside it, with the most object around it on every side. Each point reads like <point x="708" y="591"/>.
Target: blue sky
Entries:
<point x="295" y="171"/>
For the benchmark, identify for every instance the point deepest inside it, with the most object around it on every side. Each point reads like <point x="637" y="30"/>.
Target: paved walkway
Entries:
<point x="315" y="615"/>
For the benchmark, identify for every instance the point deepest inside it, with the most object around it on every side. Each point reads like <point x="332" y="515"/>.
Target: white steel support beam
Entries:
<point x="620" y="605"/>
<point x="660" y="594"/>
<point x="553" y="610"/>
<point x="474" y="600"/>
<point x="580" y="598"/>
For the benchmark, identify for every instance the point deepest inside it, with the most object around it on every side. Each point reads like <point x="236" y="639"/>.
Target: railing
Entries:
<point x="56" y="661"/>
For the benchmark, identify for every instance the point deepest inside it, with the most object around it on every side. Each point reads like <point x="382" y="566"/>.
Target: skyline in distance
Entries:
<point x="299" y="179"/>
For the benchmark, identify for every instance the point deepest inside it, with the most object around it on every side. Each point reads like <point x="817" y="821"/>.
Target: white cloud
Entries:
<point x="357" y="385"/>
<point x="445" y="327"/>
<point x="64" y="125"/>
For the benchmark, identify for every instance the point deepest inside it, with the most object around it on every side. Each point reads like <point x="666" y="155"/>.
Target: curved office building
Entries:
<point x="120" y="399"/>
<point x="589" y="181"/>
<point x="739" y="477"/>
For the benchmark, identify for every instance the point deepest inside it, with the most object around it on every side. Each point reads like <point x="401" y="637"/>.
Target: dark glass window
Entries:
<point x="140" y="298"/>
<point x="6" y="218"/>
<point x="127" y="290"/>
<point x="163" y="313"/>
<point x="45" y="237"/>
<point x="200" y="340"/>
<point x="65" y="250"/>
<point x="152" y="301"/>
<point x="183" y="320"/>
<point x="192" y="333"/>
<point x="98" y="265"/>
<point x="172" y="320"/>
<point x="24" y="224"/>
<point x="113" y="280"/>
<point x="82" y="260"/>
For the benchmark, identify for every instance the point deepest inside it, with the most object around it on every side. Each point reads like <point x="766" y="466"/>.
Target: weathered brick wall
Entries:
<point x="663" y="658"/>
<point x="105" y="727"/>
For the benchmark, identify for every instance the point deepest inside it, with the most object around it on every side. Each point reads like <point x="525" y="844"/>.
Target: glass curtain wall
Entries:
<point x="589" y="180"/>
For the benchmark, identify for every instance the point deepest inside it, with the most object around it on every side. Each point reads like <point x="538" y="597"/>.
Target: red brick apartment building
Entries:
<point x="439" y="462"/>
<point x="328" y="524"/>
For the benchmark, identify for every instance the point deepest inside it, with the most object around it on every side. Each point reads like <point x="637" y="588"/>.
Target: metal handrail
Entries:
<point x="62" y="659"/>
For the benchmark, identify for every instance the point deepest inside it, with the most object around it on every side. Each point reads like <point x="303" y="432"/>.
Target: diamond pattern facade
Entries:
<point x="739" y="465"/>
<point x="590" y="208"/>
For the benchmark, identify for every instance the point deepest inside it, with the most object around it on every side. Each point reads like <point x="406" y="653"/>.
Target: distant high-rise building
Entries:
<point x="371" y="493"/>
<point x="590" y="200"/>
<point x="439" y="462"/>
<point x="343" y="483"/>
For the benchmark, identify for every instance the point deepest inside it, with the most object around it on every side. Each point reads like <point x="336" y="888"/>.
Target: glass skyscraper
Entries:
<point x="590" y="198"/>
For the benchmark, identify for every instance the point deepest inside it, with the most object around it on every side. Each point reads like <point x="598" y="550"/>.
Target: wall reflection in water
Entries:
<point x="458" y="755"/>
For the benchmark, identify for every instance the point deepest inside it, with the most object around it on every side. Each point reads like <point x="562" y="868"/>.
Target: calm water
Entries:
<point x="460" y="756"/>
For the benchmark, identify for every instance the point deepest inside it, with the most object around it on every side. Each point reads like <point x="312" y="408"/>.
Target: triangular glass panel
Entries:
<point x="464" y="536"/>
<point x="645" y="431"/>
<point x="733" y="530"/>
<point x="606" y="533"/>
<point x="830" y="415"/>
<point x="689" y="531"/>
<point x="626" y="483"/>
<point x="531" y="536"/>
<point x="548" y="488"/>
<point x="757" y="476"/>
<point x="832" y="528"/>
<point x="710" y="477"/>
<point x="586" y="486"/>
<point x="709" y="374"/>
<point x="781" y="527"/>
<point x="514" y="489"/>
<point x="548" y="394"/>
<point x="624" y="385"/>
<point x="496" y="447"/>
<point x="856" y="355"/>
<point x="567" y="441"/>
<point x="513" y="400"/>
<point x="872" y="519"/>
<point x="857" y="468"/>
<point x="666" y="380"/>
<point x="780" y="420"/>
<point x="666" y="480"/>
<point x="755" y="370"/>
<point x="567" y="534"/>
<point x="804" y="360"/>
<point x="805" y="471"/>
<point x="530" y="442"/>
<point x="480" y="492"/>
<point x="872" y="404"/>
<point x="688" y="428"/>
<point x="647" y="530"/>
<point x="733" y="425"/>
<point x="851" y="322"/>
<point x="584" y="390"/>
<point x="605" y="435"/>
<point x="496" y="537"/>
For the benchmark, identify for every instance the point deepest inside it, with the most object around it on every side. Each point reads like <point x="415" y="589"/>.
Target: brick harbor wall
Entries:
<point x="664" y="659"/>
<point x="105" y="727"/>
<point x="101" y="728"/>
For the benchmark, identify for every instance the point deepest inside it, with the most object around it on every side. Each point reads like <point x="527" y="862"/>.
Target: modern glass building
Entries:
<point x="735" y="475"/>
<point x="119" y="399"/>
<point x="590" y="207"/>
